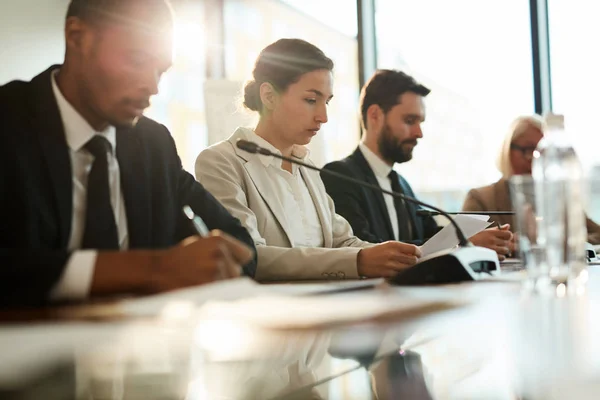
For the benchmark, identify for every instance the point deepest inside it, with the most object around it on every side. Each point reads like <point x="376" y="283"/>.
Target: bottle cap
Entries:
<point x="554" y="121"/>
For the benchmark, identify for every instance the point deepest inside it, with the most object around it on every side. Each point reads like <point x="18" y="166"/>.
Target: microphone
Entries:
<point x="446" y="266"/>
<point x="427" y="213"/>
<point x="252" y="147"/>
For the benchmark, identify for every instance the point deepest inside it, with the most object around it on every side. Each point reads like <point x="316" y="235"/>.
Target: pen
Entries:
<point x="202" y="230"/>
<point x="197" y="222"/>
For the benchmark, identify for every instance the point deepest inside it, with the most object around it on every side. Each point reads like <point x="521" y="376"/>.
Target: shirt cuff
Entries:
<point x="76" y="279"/>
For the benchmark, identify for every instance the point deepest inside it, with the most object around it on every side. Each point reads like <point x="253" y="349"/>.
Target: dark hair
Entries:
<point x="99" y="10"/>
<point x="385" y="88"/>
<point x="281" y="64"/>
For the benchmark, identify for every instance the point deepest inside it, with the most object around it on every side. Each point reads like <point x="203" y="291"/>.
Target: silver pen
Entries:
<point x="197" y="222"/>
<point x="202" y="231"/>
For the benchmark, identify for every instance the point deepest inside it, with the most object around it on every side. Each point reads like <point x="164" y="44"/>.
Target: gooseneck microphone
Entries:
<point x="254" y="148"/>
<point x="467" y="263"/>
<point x="427" y="213"/>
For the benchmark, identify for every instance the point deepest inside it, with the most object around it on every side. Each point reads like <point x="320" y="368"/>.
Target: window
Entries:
<point x="179" y="104"/>
<point x="575" y="80"/>
<point x="475" y="56"/>
<point x="574" y="67"/>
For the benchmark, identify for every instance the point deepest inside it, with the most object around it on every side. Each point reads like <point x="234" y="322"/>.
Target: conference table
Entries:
<point x="488" y="339"/>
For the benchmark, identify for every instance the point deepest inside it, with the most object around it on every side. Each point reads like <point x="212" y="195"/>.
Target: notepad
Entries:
<point x="320" y="312"/>
<point x="446" y="238"/>
<point x="234" y="289"/>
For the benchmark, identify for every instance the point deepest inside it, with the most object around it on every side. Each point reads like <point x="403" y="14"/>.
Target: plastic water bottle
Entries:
<point x="559" y="193"/>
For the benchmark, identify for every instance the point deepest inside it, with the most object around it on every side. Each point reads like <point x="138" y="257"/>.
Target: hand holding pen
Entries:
<point x="194" y="261"/>
<point x="230" y="253"/>
<point x="497" y="238"/>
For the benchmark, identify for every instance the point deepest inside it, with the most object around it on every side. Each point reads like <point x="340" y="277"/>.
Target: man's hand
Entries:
<point x="497" y="239"/>
<point x="386" y="259"/>
<point x="199" y="260"/>
<point x="193" y="262"/>
<point x="514" y="245"/>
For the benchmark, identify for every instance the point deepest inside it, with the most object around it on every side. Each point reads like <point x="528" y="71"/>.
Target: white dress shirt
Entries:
<point x="381" y="170"/>
<point x="293" y="194"/>
<point x="77" y="276"/>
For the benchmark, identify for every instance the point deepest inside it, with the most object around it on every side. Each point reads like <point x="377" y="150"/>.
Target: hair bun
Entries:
<point x="252" y="96"/>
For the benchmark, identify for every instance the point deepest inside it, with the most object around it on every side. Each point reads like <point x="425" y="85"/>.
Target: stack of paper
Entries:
<point x="446" y="238"/>
<point x="195" y="296"/>
<point x="317" y="312"/>
<point x="235" y="289"/>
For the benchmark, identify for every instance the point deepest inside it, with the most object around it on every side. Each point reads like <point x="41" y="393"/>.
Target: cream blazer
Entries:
<point x="242" y="184"/>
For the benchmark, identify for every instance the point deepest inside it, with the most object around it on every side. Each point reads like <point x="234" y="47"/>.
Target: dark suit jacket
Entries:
<point x="36" y="191"/>
<point x="365" y="208"/>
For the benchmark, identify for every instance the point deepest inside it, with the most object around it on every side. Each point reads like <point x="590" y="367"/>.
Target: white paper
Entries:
<point x="446" y="238"/>
<point x="233" y="289"/>
<point x="481" y="217"/>
<point x="304" y="289"/>
<point x="309" y="312"/>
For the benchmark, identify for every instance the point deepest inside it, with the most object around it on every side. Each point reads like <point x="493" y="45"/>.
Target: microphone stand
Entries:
<point x="446" y="266"/>
<point x="252" y="147"/>
<point x="427" y="213"/>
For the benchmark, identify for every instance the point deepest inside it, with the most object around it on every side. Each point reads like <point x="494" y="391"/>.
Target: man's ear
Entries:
<point x="78" y="35"/>
<point x="268" y="96"/>
<point x="375" y="117"/>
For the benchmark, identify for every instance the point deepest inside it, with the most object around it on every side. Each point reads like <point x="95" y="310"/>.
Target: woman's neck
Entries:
<point x="266" y="131"/>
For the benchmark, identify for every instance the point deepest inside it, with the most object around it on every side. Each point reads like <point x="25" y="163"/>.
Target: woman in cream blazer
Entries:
<point x="515" y="158"/>
<point x="285" y="207"/>
<point x="240" y="181"/>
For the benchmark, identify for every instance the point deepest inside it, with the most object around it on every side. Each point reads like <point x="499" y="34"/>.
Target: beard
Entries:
<point x="125" y="124"/>
<point x="393" y="150"/>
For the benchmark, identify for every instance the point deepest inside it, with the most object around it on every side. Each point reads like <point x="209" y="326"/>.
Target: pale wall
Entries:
<point x="31" y="37"/>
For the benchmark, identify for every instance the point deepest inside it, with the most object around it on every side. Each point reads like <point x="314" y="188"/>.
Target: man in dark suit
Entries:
<point x="92" y="191"/>
<point x="392" y="111"/>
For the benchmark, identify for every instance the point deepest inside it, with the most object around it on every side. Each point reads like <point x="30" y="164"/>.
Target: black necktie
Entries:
<point x="100" y="227"/>
<point x="404" y="222"/>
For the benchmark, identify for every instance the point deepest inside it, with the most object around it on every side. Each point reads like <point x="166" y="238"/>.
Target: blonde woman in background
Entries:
<point x="515" y="158"/>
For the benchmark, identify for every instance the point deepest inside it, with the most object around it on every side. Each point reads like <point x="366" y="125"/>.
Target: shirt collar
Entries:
<point x="379" y="167"/>
<point x="77" y="130"/>
<point x="299" y="152"/>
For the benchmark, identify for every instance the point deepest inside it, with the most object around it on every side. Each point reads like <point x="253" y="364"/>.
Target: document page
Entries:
<point x="318" y="312"/>
<point x="235" y="289"/>
<point x="446" y="238"/>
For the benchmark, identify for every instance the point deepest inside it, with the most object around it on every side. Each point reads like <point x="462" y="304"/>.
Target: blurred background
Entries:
<point x="486" y="61"/>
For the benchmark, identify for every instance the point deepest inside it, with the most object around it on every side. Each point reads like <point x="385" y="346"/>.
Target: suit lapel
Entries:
<point x="262" y="181"/>
<point x="320" y="204"/>
<point x="48" y="124"/>
<point x="135" y="185"/>
<point x="370" y="178"/>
